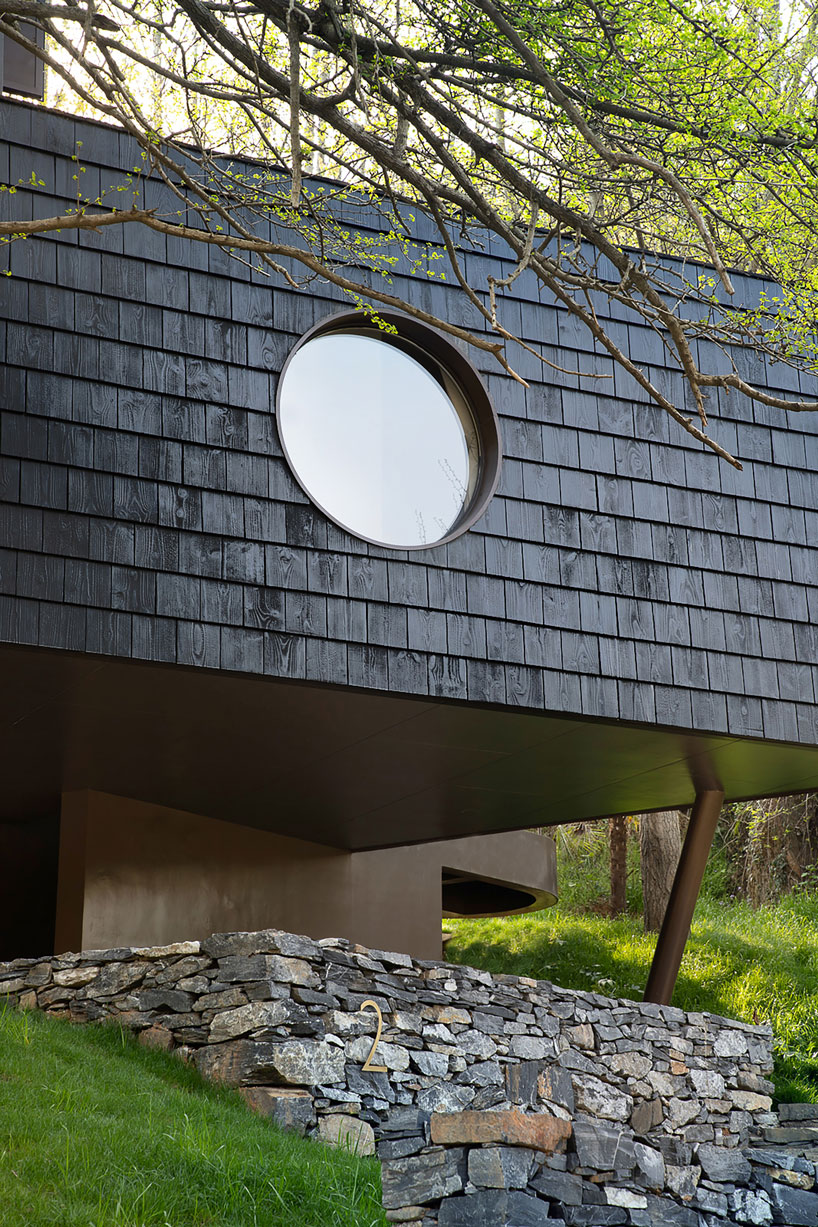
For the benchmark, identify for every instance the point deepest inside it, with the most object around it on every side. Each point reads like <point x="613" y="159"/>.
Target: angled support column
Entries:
<point x="686" y="885"/>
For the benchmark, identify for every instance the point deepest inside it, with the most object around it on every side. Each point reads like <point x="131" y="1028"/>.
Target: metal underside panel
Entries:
<point x="344" y="767"/>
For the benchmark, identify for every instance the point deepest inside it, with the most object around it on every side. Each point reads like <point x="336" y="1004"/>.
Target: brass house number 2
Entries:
<point x="376" y="1069"/>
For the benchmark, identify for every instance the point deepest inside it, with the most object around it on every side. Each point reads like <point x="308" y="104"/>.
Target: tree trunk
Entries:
<point x="660" y="846"/>
<point x="618" y="833"/>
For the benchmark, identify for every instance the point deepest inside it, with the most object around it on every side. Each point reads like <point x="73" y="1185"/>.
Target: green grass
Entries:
<point x="96" y="1131"/>
<point x="753" y="965"/>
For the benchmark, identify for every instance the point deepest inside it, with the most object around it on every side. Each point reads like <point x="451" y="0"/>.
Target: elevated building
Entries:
<point x="252" y="675"/>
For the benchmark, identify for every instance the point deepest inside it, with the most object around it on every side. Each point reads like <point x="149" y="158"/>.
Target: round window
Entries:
<point x="391" y="434"/>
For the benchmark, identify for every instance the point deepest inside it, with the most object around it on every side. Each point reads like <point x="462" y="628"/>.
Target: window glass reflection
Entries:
<point x="376" y="440"/>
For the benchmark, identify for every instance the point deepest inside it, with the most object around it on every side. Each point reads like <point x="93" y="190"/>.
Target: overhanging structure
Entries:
<point x="627" y="623"/>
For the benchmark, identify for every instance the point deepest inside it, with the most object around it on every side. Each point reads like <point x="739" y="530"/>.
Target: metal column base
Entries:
<point x="675" y="929"/>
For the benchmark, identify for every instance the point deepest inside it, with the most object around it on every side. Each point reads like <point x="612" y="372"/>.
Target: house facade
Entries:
<point x="234" y="697"/>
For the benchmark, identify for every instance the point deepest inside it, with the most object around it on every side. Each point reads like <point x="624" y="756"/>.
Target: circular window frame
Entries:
<point x="426" y="342"/>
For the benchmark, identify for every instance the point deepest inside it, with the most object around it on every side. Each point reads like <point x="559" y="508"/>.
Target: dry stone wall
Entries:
<point x="489" y="1099"/>
<point x="493" y="1169"/>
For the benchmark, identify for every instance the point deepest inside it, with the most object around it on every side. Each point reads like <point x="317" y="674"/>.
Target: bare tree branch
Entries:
<point x="571" y="136"/>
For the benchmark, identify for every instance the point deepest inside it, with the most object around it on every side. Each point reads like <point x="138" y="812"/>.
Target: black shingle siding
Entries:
<point x="621" y="571"/>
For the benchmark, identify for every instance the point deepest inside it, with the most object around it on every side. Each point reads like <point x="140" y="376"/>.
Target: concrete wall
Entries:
<point x="137" y="874"/>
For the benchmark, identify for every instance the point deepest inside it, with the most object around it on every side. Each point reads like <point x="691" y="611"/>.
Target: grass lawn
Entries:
<point x="96" y="1131"/>
<point x="758" y="966"/>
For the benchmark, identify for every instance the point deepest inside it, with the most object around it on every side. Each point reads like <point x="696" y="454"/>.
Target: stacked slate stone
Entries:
<point x="500" y="1095"/>
<point x="506" y="1169"/>
<point x="785" y="1163"/>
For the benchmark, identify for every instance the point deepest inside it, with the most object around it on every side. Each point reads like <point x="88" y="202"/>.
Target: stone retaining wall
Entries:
<point x="595" y="1109"/>
<point x="514" y="1169"/>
